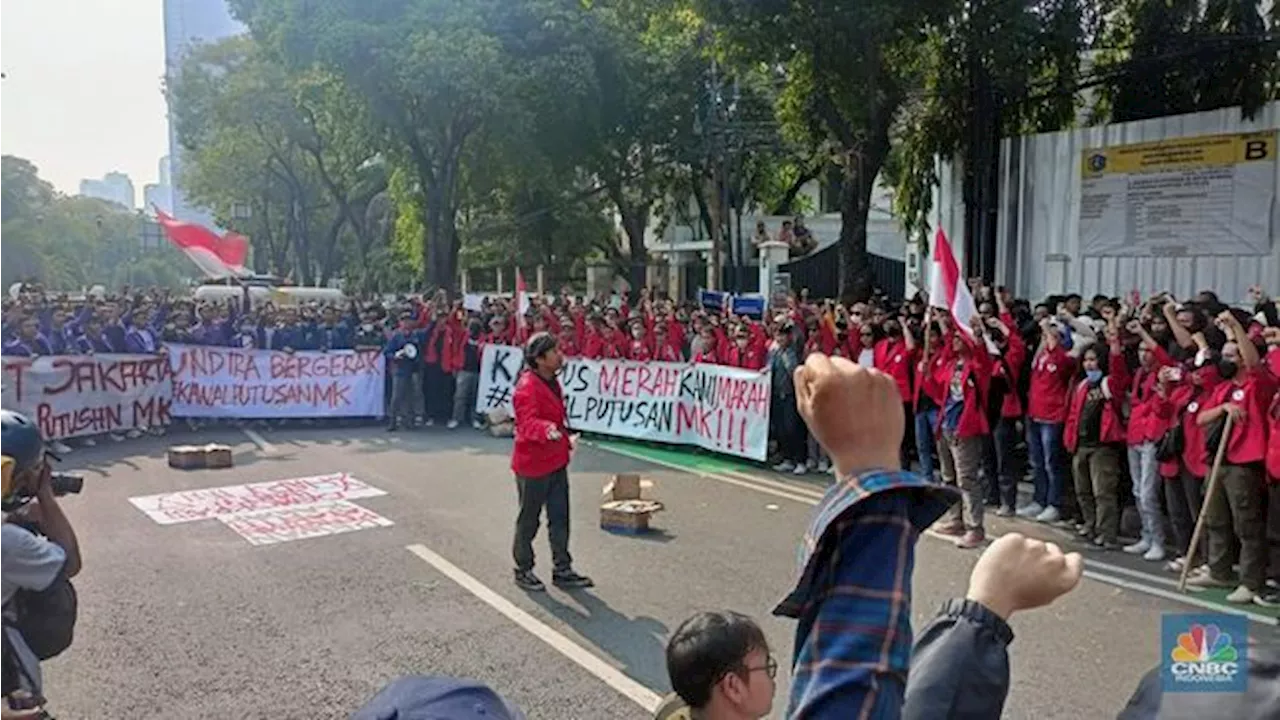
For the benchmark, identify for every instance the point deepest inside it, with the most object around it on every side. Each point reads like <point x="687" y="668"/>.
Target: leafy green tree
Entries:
<point x="845" y="69"/>
<point x="432" y="75"/>
<point x="72" y="243"/>
<point x="992" y="69"/>
<point x="295" y="148"/>
<point x="1168" y="57"/>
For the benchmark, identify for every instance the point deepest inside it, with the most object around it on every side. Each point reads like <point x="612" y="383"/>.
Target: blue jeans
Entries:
<point x="1144" y="470"/>
<point x="926" y="421"/>
<point x="1044" y="450"/>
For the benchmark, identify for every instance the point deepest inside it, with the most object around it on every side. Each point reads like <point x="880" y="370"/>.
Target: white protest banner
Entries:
<point x="231" y="500"/>
<point x="714" y="407"/>
<point x="241" y="383"/>
<point x="74" y="395"/>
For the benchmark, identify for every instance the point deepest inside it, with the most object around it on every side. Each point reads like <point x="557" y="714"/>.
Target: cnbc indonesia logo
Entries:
<point x="1205" y="655"/>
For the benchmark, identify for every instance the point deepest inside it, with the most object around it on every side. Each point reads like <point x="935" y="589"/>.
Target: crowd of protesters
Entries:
<point x="1098" y="401"/>
<point x="1092" y="399"/>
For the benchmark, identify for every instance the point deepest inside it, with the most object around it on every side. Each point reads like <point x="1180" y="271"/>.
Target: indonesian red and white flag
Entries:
<point x="522" y="301"/>
<point x="947" y="289"/>
<point x="217" y="257"/>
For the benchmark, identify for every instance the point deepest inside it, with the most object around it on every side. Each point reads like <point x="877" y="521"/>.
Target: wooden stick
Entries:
<point x="1204" y="507"/>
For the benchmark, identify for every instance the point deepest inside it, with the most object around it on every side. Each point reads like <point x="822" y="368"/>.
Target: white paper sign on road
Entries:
<point x="711" y="406"/>
<point x="74" y="395"/>
<point x="240" y="383"/>
<point x="267" y="527"/>
<point x="190" y="505"/>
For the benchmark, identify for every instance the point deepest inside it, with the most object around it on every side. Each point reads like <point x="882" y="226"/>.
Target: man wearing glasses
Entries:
<point x="720" y="668"/>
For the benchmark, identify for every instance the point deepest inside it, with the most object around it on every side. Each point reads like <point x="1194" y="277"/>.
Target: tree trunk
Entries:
<point x="859" y="176"/>
<point x="330" y="250"/>
<point x="635" y="218"/>
<point x="634" y="223"/>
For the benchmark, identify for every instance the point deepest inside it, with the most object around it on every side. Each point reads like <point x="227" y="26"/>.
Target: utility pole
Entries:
<point x="715" y="199"/>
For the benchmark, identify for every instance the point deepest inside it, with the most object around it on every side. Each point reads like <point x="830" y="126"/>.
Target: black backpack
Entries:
<point x="45" y="618"/>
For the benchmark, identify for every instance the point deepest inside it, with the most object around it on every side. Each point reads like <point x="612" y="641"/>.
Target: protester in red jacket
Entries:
<point x="745" y="352"/>
<point x="1003" y="463"/>
<point x="961" y="425"/>
<point x="666" y="347"/>
<point x="1182" y="392"/>
<point x="1052" y="370"/>
<point x="895" y="359"/>
<point x="540" y="460"/>
<point x="1095" y="434"/>
<point x="437" y="382"/>
<point x="1245" y="395"/>
<point x="1145" y="428"/>
<point x="640" y="348"/>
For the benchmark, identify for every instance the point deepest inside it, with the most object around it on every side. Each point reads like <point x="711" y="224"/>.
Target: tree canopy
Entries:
<point x="73" y="243"/>
<point x="391" y="142"/>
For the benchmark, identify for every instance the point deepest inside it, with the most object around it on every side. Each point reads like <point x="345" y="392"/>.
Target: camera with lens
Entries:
<point x="61" y="483"/>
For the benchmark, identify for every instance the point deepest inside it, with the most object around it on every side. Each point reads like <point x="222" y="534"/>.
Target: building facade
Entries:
<point x="188" y="23"/>
<point x="113" y="187"/>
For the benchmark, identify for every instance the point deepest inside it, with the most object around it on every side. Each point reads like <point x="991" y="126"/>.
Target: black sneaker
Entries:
<point x="526" y="580"/>
<point x="571" y="580"/>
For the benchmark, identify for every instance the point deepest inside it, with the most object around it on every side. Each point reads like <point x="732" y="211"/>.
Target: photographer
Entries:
<point x="40" y="555"/>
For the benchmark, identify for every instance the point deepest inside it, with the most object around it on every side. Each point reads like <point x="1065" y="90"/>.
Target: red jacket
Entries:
<point x="1112" y="430"/>
<point x="1184" y="403"/>
<point x="668" y="352"/>
<point x="455" y="346"/>
<point x="1051" y="375"/>
<point x="1253" y="390"/>
<point x="1273" y="447"/>
<point x="1145" y="424"/>
<point x="750" y="358"/>
<point x="639" y="350"/>
<point x="975" y="379"/>
<point x="895" y="360"/>
<point x="1010" y="368"/>
<point x="927" y="379"/>
<point x="539" y="408"/>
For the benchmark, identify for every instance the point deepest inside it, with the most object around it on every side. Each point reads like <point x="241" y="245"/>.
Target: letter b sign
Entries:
<point x="1256" y="150"/>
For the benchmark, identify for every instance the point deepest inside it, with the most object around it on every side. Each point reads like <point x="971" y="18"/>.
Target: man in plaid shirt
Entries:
<point x="852" y="600"/>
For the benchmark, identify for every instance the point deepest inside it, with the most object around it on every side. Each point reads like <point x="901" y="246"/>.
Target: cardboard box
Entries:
<point x="628" y="486"/>
<point x="198" y="457"/>
<point x="628" y="516"/>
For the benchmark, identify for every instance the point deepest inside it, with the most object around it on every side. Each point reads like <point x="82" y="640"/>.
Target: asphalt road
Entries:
<point x="190" y="620"/>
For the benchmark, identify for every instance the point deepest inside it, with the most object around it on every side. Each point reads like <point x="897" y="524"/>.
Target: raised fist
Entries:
<point x="854" y="412"/>
<point x="1020" y="573"/>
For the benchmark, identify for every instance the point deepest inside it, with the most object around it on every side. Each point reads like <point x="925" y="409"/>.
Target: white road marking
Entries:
<point x="257" y="439"/>
<point x="611" y="676"/>
<point x="770" y="487"/>
<point x="1175" y="595"/>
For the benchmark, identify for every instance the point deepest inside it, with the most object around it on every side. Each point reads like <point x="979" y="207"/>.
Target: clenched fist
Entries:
<point x="1020" y="573"/>
<point x="854" y="412"/>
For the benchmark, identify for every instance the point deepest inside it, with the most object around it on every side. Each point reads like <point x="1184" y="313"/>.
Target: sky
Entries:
<point x="82" y="90"/>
